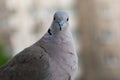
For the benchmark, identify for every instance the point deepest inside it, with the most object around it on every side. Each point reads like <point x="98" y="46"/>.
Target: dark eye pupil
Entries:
<point x="54" y="18"/>
<point x="67" y="19"/>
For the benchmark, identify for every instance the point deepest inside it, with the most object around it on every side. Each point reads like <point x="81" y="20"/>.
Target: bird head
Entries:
<point x="60" y="20"/>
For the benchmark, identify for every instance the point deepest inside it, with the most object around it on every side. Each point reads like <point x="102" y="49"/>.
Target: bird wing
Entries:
<point x="30" y="64"/>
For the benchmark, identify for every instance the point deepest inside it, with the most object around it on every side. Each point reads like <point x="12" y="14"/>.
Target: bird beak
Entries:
<point x="60" y="25"/>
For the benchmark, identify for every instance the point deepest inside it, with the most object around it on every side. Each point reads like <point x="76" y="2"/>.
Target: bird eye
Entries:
<point x="67" y="19"/>
<point x="54" y="18"/>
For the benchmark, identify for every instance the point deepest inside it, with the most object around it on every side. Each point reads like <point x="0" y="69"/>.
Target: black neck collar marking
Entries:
<point x="49" y="31"/>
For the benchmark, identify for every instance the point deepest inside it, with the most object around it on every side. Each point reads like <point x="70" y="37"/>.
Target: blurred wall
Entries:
<point x="100" y="37"/>
<point x="5" y="33"/>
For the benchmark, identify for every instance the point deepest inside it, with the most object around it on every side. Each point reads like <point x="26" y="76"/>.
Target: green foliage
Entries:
<point x="3" y="57"/>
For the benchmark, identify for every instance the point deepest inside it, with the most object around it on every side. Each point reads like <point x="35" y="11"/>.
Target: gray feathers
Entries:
<point x="27" y="65"/>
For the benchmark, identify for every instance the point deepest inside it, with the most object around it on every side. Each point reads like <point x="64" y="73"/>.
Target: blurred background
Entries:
<point x="95" y="25"/>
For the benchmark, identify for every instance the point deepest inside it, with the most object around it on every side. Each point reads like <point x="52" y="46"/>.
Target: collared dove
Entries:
<point x="53" y="57"/>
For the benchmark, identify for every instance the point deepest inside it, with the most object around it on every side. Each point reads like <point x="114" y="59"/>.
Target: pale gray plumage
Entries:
<point x="53" y="57"/>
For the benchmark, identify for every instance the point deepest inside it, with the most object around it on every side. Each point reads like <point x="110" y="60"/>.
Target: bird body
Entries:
<point x="53" y="57"/>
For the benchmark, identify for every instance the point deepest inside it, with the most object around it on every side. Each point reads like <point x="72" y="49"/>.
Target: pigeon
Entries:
<point x="53" y="57"/>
